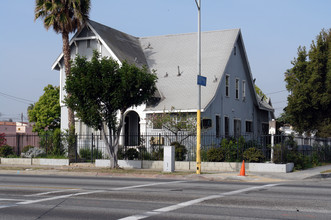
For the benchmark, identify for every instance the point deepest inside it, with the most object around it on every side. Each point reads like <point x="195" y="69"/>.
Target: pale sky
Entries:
<point x="272" y="31"/>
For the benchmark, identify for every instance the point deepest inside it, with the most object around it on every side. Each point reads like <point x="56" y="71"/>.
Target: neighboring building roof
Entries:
<point x="265" y="103"/>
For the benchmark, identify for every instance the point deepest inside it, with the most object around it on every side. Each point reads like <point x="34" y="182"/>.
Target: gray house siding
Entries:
<point x="235" y="108"/>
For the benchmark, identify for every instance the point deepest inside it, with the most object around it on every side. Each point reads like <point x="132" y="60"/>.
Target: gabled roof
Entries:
<point x="174" y="60"/>
<point x="174" y="57"/>
<point x="124" y="46"/>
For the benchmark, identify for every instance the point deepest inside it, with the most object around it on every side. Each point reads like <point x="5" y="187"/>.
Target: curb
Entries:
<point x="320" y="176"/>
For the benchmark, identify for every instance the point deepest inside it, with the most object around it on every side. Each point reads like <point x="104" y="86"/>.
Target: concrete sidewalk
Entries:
<point x="90" y="170"/>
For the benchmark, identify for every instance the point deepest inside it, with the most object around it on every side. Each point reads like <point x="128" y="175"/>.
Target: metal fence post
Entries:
<point x="18" y="143"/>
<point x="97" y="148"/>
<point x="76" y="154"/>
<point x="92" y="148"/>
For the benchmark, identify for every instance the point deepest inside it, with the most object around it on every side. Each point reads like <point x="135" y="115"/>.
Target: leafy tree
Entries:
<point x="101" y="89"/>
<point x="30" y="107"/>
<point x="3" y="140"/>
<point x="46" y="112"/>
<point x="309" y="84"/>
<point x="176" y="122"/>
<point x="283" y="119"/>
<point x="65" y="17"/>
<point x="6" y="150"/>
<point x="260" y="93"/>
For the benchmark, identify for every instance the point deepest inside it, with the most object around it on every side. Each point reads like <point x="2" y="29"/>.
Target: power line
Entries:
<point x="270" y="93"/>
<point x="22" y="100"/>
<point x="279" y="102"/>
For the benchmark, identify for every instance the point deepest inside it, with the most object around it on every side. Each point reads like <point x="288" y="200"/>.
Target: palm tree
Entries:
<point x="64" y="16"/>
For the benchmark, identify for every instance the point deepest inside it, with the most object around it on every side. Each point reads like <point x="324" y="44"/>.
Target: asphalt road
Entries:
<point x="68" y="197"/>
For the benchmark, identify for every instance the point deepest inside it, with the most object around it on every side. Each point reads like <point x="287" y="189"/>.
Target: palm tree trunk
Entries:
<point x="67" y="67"/>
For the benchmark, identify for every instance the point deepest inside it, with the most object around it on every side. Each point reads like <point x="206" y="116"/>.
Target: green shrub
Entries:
<point x="180" y="151"/>
<point x="53" y="142"/>
<point x="6" y="150"/>
<point x="203" y="155"/>
<point x="12" y="156"/>
<point x="57" y="148"/>
<point x="215" y="154"/>
<point x="120" y="153"/>
<point x="253" y="155"/>
<point x="230" y="148"/>
<point x="143" y="153"/>
<point x="132" y="154"/>
<point x="300" y="161"/>
<point x="323" y="152"/>
<point x="85" y="153"/>
<point x="157" y="153"/>
<point x="27" y="148"/>
<point x="280" y="152"/>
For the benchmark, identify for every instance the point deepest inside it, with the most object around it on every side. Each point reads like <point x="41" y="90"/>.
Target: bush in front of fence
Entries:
<point x="215" y="154"/>
<point x="288" y="151"/>
<point x="6" y="151"/>
<point x="132" y="154"/>
<point x="54" y="142"/>
<point x="180" y="151"/>
<point x="253" y="154"/>
<point x="85" y="154"/>
<point x="230" y="150"/>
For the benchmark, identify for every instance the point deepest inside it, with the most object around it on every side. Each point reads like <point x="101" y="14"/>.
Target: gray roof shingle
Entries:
<point x="125" y="46"/>
<point x="174" y="58"/>
<point x="174" y="55"/>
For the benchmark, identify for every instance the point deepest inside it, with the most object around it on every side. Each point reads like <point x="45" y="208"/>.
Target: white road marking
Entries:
<point x="193" y="202"/>
<point x="26" y="202"/>
<point x="51" y="192"/>
<point x="58" y="197"/>
<point x="4" y="199"/>
<point x="7" y="206"/>
<point x="150" y="184"/>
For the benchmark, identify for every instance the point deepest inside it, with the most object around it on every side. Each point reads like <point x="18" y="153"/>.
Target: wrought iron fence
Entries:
<point x="150" y="146"/>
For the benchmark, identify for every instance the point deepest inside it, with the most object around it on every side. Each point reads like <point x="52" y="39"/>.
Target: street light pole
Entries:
<point x="198" y="159"/>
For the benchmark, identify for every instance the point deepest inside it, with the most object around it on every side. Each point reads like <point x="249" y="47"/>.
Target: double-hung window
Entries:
<point x="237" y="88"/>
<point x="227" y="85"/>
<point x="244" y="90"/>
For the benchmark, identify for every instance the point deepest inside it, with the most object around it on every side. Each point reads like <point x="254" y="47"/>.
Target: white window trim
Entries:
<point x="227" y="76"/>
<point x="244" y="90"/>
<point x="219" y="125"/>
<point x="229" y="125"/>
<point x="237" y="86"/>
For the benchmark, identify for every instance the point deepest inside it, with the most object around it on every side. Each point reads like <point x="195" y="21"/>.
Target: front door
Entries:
<point x="132" y="129"/>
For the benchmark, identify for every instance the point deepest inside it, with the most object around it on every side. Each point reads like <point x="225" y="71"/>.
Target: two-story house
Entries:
<point x="229" y="103"/>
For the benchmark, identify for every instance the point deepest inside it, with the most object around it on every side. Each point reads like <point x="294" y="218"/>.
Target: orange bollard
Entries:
<point x="242" y="170"/>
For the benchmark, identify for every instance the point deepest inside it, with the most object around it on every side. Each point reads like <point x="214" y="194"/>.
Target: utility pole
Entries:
<point x="198" y="159"/>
